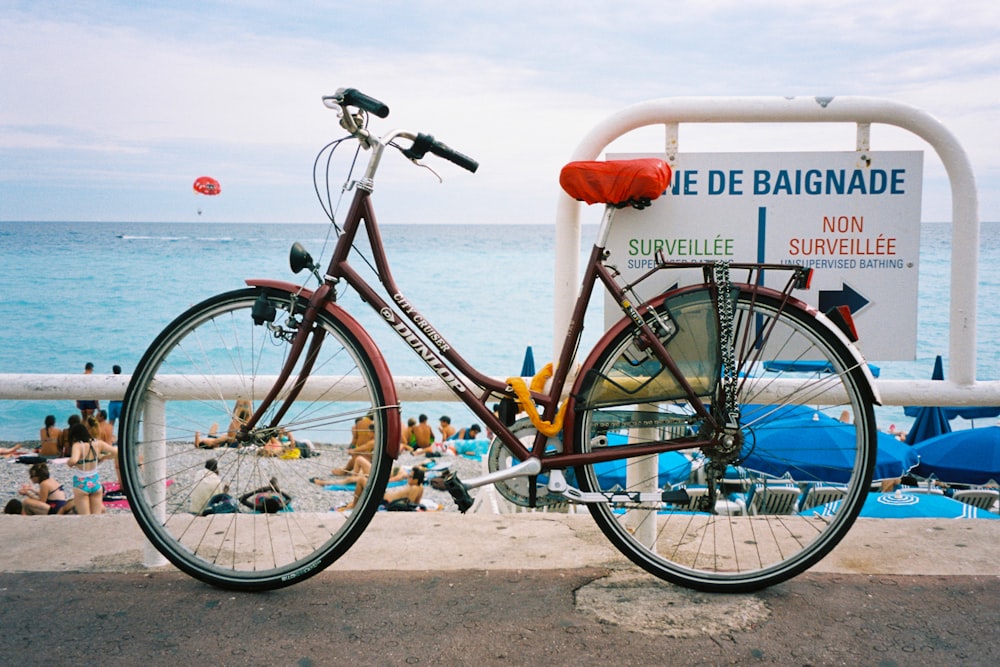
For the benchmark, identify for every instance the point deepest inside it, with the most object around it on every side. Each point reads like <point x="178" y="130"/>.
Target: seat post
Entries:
<point x="605" y="230"/>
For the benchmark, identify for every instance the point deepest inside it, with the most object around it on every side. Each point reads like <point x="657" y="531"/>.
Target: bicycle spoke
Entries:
<point x="743" y="526"/>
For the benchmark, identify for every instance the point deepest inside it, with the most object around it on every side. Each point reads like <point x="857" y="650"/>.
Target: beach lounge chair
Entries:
<point x="933" y="490"/>
<point x="723" y="504"/>
<point x="984" y="499"/>
<point x="694" y="493"/>
<point x="821" y="495"/>
<point x="772" y="499"/>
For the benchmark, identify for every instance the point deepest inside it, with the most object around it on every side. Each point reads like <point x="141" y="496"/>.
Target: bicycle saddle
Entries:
<point x="619" y="183"/>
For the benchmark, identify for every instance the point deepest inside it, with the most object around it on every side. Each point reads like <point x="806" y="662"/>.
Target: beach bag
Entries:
<point x="221" y="503"/>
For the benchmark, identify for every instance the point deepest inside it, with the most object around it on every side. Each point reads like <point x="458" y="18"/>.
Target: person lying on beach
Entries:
<point x="267" y="499"/>
<point x="397" y="474"/>
<point x="281" y="444"/>
<point x="241" y="414"/>
<point x="7" y="452"/>
<point x="412" y="493"/>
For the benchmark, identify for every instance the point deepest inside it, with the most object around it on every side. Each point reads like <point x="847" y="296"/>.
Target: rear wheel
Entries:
<point x="792" y="483"/>
<point x="186" y="389"/>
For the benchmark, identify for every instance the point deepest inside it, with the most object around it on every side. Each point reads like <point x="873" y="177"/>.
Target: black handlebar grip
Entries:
<point x="463" y="161"/>
<point x="355" y="98"/>
<point x="425" y="143"/>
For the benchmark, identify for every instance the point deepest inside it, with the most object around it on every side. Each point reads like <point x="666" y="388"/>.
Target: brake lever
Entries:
<point x="424" y="166"/>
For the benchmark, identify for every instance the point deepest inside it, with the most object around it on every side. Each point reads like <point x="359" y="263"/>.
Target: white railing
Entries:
<point x="960" y="387"/>
<point x="54" y="387"/>
<point x="49" y="387"/>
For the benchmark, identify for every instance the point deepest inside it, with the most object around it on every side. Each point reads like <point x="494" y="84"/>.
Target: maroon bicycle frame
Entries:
<point x="431" y="346"/>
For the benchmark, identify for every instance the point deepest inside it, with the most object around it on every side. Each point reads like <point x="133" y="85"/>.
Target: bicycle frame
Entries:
<point x="449" y="365"/>
<point x="472" y="387"/>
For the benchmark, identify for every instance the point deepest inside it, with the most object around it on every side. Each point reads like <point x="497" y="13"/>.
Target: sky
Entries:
<point x="110" y="110"/>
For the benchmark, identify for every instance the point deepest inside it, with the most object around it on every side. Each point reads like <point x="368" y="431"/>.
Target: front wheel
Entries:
<point x="745" y="513"/>
<point x="257" y="512"/>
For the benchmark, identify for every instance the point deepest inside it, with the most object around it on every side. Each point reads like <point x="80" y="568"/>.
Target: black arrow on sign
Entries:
<point x="846" y="296"/>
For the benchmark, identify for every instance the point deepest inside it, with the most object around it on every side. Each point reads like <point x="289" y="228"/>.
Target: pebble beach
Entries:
<point x="294" y="475"/>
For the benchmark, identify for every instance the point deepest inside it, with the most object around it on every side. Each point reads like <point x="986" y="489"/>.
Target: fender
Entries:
<point x="393" y="423"/>
<point x="822" y="319"/>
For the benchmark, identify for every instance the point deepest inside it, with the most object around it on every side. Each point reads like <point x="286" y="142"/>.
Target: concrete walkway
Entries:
<point x="448" y="541"/>
<point x="442" y="588"/>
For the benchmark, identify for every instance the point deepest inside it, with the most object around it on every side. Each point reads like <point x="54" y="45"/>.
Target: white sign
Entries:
<point x="854" y="217"/>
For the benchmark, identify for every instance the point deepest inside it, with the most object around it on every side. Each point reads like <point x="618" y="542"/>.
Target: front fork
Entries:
<point x="264" y="314"/>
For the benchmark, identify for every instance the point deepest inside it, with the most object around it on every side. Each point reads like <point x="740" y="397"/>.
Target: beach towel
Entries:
<point x="350" y="487"/>
<point x="114" y="496"/>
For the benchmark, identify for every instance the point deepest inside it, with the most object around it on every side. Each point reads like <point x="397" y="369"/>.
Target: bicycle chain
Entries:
<point x="724" y="287"/>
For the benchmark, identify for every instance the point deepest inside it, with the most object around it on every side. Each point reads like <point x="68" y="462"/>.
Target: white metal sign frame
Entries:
<point x="960" y="387"/>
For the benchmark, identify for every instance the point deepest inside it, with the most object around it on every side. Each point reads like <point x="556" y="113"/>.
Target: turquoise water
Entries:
<point x="100" y="292"/>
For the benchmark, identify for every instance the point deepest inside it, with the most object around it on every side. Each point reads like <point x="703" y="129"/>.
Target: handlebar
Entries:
<point x="422" y="143"/>
<point x="352" y="97"/>
<point x="425" y="143"/>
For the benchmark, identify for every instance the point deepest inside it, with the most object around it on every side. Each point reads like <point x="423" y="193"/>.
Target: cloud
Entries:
<point x="150" y="95"/>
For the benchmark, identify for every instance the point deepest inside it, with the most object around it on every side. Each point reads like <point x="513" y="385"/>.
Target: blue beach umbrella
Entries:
<point x="933" y="421"/>
<point x="528" y="365"/>
<point x="930" y="421"/>
<point x="971" y="456"/>
<point x="814" y="447"/>
<point x="673" y="467"/>
<point x="903" y="505"/>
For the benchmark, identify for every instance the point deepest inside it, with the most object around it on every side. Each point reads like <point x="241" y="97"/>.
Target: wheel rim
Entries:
<point x="207" y="354"/>
<point x="706" y="544"/>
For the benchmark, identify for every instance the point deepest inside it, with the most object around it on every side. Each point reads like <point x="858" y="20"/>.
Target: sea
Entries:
<point x="99" y="292"/>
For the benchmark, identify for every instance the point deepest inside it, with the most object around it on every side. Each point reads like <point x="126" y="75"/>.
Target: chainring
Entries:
<point x="517" y="490"/>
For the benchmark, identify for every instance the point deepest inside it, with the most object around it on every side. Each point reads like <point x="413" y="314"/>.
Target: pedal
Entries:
<point x="460" y="494"/>
<point x="676" y="497"/>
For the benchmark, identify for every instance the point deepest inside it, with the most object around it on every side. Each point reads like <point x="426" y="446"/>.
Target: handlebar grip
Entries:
<point x="425" y="143"/>
<point x="355" y="98"/>
<point x="450" y="154"/>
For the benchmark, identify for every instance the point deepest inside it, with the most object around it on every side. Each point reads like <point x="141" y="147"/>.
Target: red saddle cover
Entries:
<point x="617" y="182"/>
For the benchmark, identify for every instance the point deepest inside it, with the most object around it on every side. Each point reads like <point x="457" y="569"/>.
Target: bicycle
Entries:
<point x="702" y="403"/>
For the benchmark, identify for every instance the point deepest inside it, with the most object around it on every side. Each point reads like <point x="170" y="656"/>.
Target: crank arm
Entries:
<point x="558" y="486"/>
<point x="532" y="466"/>
<point x="638" y="497"/>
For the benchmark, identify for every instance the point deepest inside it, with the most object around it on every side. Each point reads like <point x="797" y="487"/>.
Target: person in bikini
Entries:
<point x="48" y="497"/>
<point x="87" y="453"/>
<point x="49" y="438"/>
<point x="241" y="415"/>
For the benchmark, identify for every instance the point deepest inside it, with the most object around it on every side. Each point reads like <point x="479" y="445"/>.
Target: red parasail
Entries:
<point x="207" y="185"/>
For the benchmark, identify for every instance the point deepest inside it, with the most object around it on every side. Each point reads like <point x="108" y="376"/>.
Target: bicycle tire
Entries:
<point x="187" y="380"/>
<point x="726" y="547"/>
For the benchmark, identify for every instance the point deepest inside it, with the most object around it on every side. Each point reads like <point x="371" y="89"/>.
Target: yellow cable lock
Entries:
<point x="520" y="388"/>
